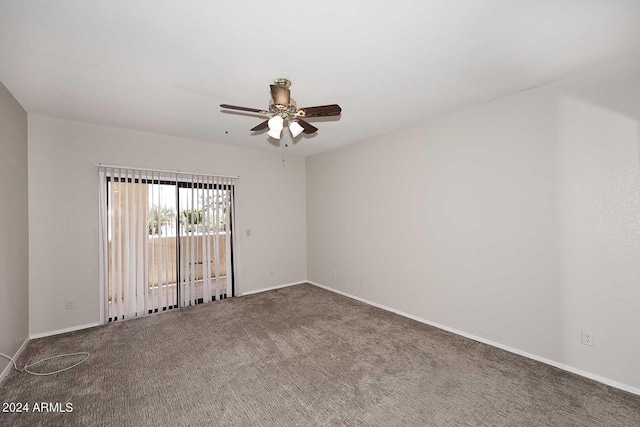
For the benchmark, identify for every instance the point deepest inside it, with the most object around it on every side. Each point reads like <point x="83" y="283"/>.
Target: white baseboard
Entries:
<point x="9" y="367"/>
<point x="598" y="378"/>
<point x="65" y="330"/>
<point x="273" y="287"/>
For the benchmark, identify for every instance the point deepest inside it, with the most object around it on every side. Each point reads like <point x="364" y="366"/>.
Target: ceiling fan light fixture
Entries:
<point x="284" y="111"/>
<point x="295" y="128"/>
<point x="274" y="134"/>
<point x="276" y="124"/>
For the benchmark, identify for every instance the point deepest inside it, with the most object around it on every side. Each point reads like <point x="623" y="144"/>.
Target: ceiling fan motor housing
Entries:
<point x="282" y="109"/>
<point x="281" y="96"/>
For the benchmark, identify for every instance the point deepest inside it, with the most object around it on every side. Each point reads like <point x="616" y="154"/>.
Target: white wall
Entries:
<point x="63" y="214"/>
<point x="517" y="221"/>
<point x="14" y="231"/>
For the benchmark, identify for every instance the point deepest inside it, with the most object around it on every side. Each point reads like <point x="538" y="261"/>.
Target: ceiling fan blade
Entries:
<point x="281" y="95"/>
<point x="235" y="107"/>
<point x="320" y="111"/>
<point x="308" y="128"/>
<point x="261" y="126"/>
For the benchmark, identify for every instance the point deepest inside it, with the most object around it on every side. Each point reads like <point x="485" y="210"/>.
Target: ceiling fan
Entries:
<point x="283" y="109"/>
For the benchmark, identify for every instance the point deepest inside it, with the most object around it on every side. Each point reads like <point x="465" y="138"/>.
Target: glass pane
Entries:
<point x="151" y="240"/>
<point x="202" y="216"/>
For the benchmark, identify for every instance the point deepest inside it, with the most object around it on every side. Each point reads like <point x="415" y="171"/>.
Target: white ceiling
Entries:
<point x="164" y="66"/>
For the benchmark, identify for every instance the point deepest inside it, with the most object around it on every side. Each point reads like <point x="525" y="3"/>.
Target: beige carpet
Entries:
<point x="301" y="356"/>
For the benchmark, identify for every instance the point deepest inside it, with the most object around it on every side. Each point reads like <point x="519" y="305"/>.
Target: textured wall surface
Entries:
<point x="517" y="221"/>
<point x="63" y="196"/>
<point x="14" y="230"/>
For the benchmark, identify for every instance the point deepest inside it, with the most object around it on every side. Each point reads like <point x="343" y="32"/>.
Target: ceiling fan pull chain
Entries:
<point x="284" y="164"/>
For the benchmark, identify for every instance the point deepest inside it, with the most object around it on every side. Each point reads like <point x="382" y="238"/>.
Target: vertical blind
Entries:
<point x="166" y="240"/>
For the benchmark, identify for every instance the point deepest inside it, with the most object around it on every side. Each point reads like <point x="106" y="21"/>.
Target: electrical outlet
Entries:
<point x="71" y="304"/>
<point x="271" y="273"/>
<point x="587" y="338"/>
<point x="248" y="232"/>
<point x="333" y="273"/>
<point x="361" y="282"/>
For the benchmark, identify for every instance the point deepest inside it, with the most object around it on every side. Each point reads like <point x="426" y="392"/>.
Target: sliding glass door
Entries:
<point x="166" y="241"/>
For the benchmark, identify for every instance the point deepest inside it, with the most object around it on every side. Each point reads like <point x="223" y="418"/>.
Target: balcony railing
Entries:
<point x="162" y="261"/>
